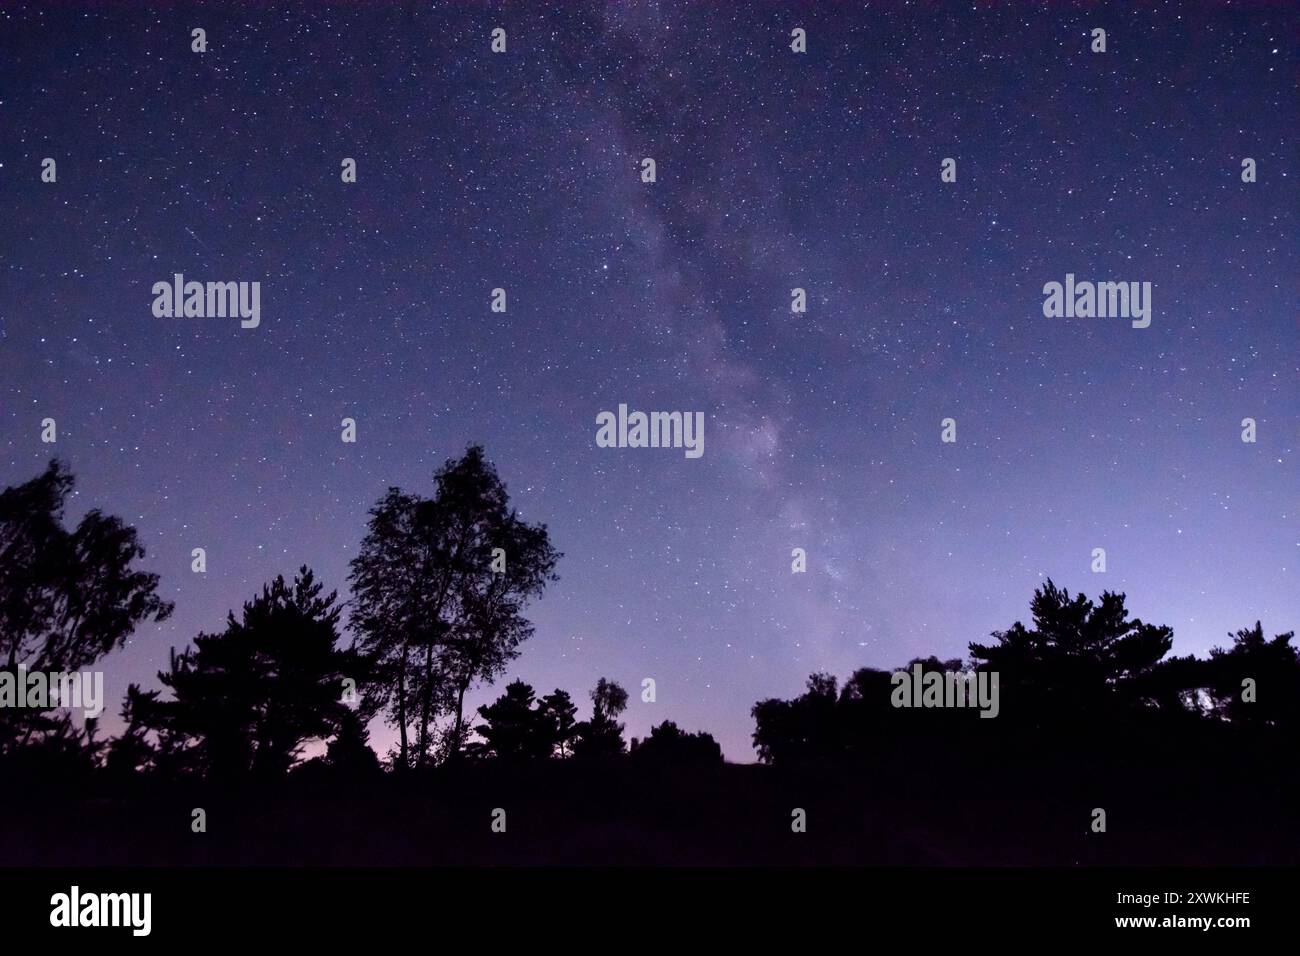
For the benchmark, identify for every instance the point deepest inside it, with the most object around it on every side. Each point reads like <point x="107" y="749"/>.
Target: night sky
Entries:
<point x="775" y="170"/>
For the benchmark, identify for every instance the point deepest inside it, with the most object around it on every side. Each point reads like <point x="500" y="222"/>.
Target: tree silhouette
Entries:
<point x="1080" y="662"/>
<point x="350" y="751"/>
<point x="246" y="700"/>
<point x="131" y="751"/>
<point x="864" y="713"/>
<point x="66" y="597"/>
<point x="513" y="728"/>
<point x="1274" y="668"/>
<point x="559" y="714"/>
<point x="800" y="729"/>
<point x="434" y="608"/>
<point x="602" y="736"/>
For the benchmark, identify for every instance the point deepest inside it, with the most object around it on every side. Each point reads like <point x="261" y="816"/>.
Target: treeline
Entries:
<point x="247" y="701"/>
<point x="439" y="587"/>
<point x="1083" y="674"/>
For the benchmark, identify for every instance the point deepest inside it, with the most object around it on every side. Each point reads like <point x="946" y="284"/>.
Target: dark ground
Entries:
<point x="1022" y="809"/>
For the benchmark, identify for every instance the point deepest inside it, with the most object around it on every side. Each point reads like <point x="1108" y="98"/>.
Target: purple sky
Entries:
<point x="775" y="171"/>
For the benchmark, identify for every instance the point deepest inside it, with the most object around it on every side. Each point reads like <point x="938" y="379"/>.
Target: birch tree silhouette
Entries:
<point x="439" y="589"/>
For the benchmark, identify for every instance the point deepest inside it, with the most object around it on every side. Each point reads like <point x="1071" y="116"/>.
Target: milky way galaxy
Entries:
<point x="774" y="171"/>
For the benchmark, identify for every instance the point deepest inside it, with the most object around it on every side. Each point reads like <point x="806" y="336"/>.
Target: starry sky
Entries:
<point x="774" y="170"/>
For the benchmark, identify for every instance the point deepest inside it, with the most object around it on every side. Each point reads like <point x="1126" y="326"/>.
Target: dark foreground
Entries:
<point x="1023" y="809"/>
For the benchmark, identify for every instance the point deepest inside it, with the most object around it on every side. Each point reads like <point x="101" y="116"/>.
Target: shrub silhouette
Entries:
<point x="668" y="745"/>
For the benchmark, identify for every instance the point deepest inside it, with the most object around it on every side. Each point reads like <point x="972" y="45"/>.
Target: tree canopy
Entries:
<point x="67" y="597"/>
<point x="246" y="700"/>
<point x="439" y="589"/>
